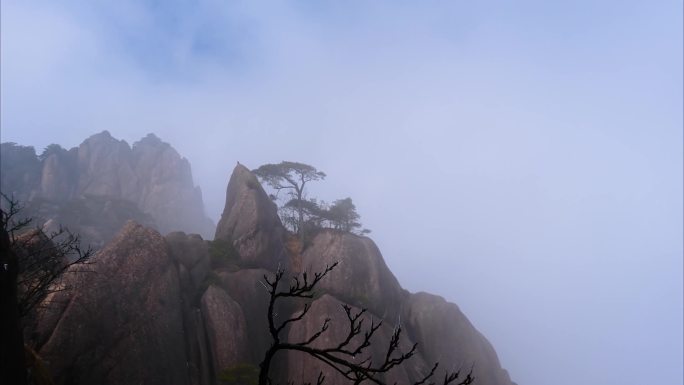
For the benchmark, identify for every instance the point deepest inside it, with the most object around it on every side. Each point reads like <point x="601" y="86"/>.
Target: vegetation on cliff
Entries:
<point x="300" y="213"/>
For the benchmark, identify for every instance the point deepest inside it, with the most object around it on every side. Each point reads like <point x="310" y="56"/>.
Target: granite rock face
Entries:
<point x="226" y="329"/>
<point x="58" y="181"/>
<point x="124" y="322"/>
<point x="305" y="368"/>
<point x="166" y="189"/>
<point x="94" y="188"/>
<point x="250" y="220"/>
<point x="362" y="278"/>
<point x="245" y="287"/>
<point x="448" y="337"/>
<point x="105" y="169"/>
<point x="192" y="252"/>
<point x="158" y="309"/>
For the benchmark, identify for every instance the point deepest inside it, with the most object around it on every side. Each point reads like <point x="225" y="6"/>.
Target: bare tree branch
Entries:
<point x="44" y="259"/>
<point x="341" y="356"/>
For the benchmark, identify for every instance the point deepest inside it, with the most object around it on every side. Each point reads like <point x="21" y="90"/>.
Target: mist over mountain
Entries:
<point x="523" y="160"/>
<point x="160" y="307"/>
<point x="93" y="189"/>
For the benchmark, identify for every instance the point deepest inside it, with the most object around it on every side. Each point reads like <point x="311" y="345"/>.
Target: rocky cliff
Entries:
<point x="125" y="324"/>
<point x="182" y="310"/>
<point x="250" y="221"/>
<point x="96" y="187"/>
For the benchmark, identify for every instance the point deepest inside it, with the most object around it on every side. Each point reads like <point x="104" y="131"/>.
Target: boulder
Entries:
<point x="250" y="220"/>
<point x="304" y="368"/>
<point x="447" y="336"/>
<point x="191" y="251"/>
<point x="361" y="278"/>
<point x="226" y="329"/>
<point x="123" y="322"/>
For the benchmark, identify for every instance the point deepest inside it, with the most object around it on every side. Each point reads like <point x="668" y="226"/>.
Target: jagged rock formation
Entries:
<point x="166" y="189"/>
<point x="362" y="279"/>
<point x="124" y="324"/>
<point x="59" y="177"/>
<point x="95" y="188"/>
<point x="161" y="310"/>
<point x="250" y="220"/>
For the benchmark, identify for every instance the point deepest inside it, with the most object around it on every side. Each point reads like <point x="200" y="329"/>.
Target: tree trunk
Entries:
<point x="265" y="366"/>
<point x="12" y="360"/>
<point x="300" y="226"/>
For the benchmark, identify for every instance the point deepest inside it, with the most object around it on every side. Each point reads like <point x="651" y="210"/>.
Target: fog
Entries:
<point x="521" y="159"/>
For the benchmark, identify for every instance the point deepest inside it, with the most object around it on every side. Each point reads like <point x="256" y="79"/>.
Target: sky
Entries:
<point x="521" y="159"/>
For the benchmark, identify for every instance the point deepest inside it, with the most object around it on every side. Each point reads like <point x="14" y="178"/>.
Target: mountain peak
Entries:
<point x="103" y="134"/>
<point x="250" y="221"/>
<point x="151" y="140"/>
<point x="105" y="173"/>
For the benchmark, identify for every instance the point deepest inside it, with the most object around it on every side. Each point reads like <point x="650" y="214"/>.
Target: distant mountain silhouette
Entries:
<point x="96" y="187"/>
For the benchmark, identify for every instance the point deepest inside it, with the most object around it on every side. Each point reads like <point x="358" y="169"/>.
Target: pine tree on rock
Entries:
<point x="292" y="177"/>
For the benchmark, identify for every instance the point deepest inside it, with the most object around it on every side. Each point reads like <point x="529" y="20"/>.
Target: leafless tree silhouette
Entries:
<point x="32" y="264"/>
<point x="42" y="257"/>
<point x="339" y="356"/>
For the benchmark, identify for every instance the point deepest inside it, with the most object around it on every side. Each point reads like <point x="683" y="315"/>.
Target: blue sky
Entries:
<point x="531" y="149"/>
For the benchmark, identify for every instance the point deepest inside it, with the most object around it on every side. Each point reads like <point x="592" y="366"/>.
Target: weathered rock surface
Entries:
<point x="226" y="329"/>
<point x="245" y="287"/>
<point x="166" y="188"/>
<point x="192" y="252"/>
<point x="105" y="169"/>
<point x="200" y="365"/>
<point x="362" y="278"/>
<point x="123" y="324"/>
<point x="306" y="369"/>
<point x="59" y="177"/>
<point x="150" y="176"/>
<point x="448" y="337"/>
<point x="250" y="220"/>
<point x="155" y="310"/>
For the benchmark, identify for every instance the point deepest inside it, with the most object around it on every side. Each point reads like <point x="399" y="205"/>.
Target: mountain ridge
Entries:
<point x="181" y="309"/>
<point x="149" y="176"/>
